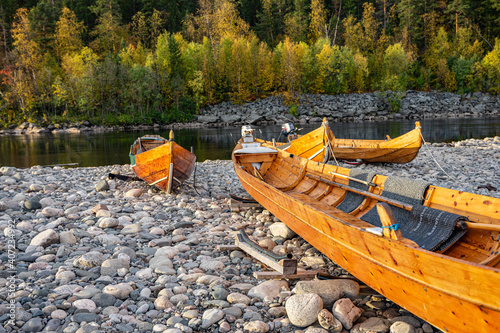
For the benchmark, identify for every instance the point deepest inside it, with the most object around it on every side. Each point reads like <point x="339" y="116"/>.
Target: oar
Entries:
<point x="403" y="205"/>
<point x="354" y="179"/>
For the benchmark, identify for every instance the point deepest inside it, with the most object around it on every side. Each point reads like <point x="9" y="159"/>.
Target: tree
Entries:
<point x="43" y="18"/>
<point x="395" y="68"/>
<point x="139" y="27"/>
<point x="68" y="33"/>
<point x="317" y="17"/>
<point x="108" y="25"/>
<point x="296" y="22"/>
<point x="458" y="10"/>
<point x="491" y="62"/>
<point x="26" y="81"/>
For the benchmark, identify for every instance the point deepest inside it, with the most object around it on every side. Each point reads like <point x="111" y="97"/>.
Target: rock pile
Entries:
<point x="353" y="107"/>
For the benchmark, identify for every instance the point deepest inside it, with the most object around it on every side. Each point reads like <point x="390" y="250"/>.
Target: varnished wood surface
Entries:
<point x="457" y="291"/>
<point x="401" y="149"/>
<point x="153" y="165"/>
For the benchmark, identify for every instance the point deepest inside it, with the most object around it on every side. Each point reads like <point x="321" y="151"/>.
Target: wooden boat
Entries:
<point x="319" y="144"/>
<point x="161" y="162"/>
<point x="441" y="263"/>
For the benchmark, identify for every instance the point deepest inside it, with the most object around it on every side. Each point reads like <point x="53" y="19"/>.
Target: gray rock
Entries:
<point x="210" y="317"/>
<point x="45" y="238"/>
<point x="346" y="312"/>
<point x="375" y="325"/>
<point x="102" y="185"/>
<point x="32" y="205"/>
<point x="269" y="288"/>
<point x="33" y="325"/>
<point x="402" y="327"/>
<point x="329" y="290"/>
<point x="303" y="309"/>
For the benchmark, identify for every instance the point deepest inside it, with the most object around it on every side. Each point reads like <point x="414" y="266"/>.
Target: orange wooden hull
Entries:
<point x="164" y="166"/>
<point x="451" y="290"/>
<point x="313" y="145"/>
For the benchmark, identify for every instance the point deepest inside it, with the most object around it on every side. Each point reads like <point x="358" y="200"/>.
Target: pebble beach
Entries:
<point x="94" y="254"/>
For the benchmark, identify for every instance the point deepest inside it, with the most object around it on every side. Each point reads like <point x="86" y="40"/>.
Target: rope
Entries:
<point x="392" y="227"/>
<point x="194" y="176"/>
<point x="329" y="144"/>
<point x="437" y="163"/>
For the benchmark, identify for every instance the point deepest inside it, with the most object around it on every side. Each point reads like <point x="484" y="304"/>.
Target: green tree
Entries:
<point x="458" y="10"/>
<point x="68" y="33"/>
<point x="107" y="30"/>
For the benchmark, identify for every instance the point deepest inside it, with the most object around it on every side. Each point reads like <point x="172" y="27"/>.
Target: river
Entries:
<point x="97" y="149"/>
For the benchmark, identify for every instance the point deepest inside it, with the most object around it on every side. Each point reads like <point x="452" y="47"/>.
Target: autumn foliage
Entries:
<point x="162" y="61"/>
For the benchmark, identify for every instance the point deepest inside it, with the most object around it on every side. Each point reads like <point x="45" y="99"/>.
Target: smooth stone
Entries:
<point x="33" y="325"/>
<point x="32" y="205"/>
<point x="256" y="326"/>
<point x="329" y="322"/>
<point x="329" y="290"/>
<point x="162" y="302"/>
<point x="402" y="327"/>
<point x="52" y="212"/>
<point x="104" y="300"/>
<point x="375" y="325"/>
<point x="346" y="312"/>
<point x="108" y="222"/>
<point x="210" y="317"/>
<point x="313" y="329"/>
<point x="83" y="316"/>
<point x="167" y="251"/>
<point x="277" y="312"/>
<point x="131" y="229"/>
<point x="303" y="309"/>
<point x="102" y="185"/>
<point x="133" y="193"/>
<point x="212" y="265"/>
<point x="238" y="298"/>
<point x="86" y="304"/>
<point x="88" y="260"/>
<point x="120" y="291"/>
<point x="280" y="229"/>
<point x="67" y="237"/>
<point x="269" y="288"/>
<point x="45" y="238"/>
<point x="111" y="266"/>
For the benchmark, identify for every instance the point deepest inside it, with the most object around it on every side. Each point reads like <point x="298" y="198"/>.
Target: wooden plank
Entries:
<point x="227" y="248"/>
<point x="284" y="266"/>
<point x="236" y="205"/>
<point x="300" y="275"/>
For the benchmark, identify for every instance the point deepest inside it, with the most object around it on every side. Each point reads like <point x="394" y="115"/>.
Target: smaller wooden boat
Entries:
<point x="321" y="145"/>
<point x="161" y="162"/>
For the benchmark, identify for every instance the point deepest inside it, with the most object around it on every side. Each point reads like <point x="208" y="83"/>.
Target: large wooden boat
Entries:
<point x="161" y="162"/>
<point x="440" y="261"/>
<point x="321" y="145"/>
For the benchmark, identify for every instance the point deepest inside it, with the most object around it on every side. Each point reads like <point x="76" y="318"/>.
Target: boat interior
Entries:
<point x="146" y="143"/>
<point x="457" y="224"/>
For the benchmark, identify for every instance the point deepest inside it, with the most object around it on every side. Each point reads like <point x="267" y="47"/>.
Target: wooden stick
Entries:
<point x="354" y="179"/>
<point x="400" y="204"/>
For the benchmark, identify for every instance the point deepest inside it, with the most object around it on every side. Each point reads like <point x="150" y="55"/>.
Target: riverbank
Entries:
<point x="129" y="257"/>
<point x="377" y="106"/>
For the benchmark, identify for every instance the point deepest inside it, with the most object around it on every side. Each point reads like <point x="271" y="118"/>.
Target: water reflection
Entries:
<point x="214" y="143"/>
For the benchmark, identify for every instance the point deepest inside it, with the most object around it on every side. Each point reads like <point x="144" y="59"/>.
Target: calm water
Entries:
<point x="213" y="143"/>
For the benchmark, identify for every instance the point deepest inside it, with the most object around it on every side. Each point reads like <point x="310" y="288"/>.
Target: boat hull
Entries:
<point x="164" y="166"/>
<point x="451" y="294"/>
<point x="314" y="144"/>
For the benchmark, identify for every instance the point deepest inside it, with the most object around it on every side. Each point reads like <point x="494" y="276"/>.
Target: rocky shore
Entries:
<point x="311" y="109"/>
<point x="100" y="255"/>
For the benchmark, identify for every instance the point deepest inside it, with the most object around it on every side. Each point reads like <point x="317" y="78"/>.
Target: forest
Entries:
<point x="115" y="62"/>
